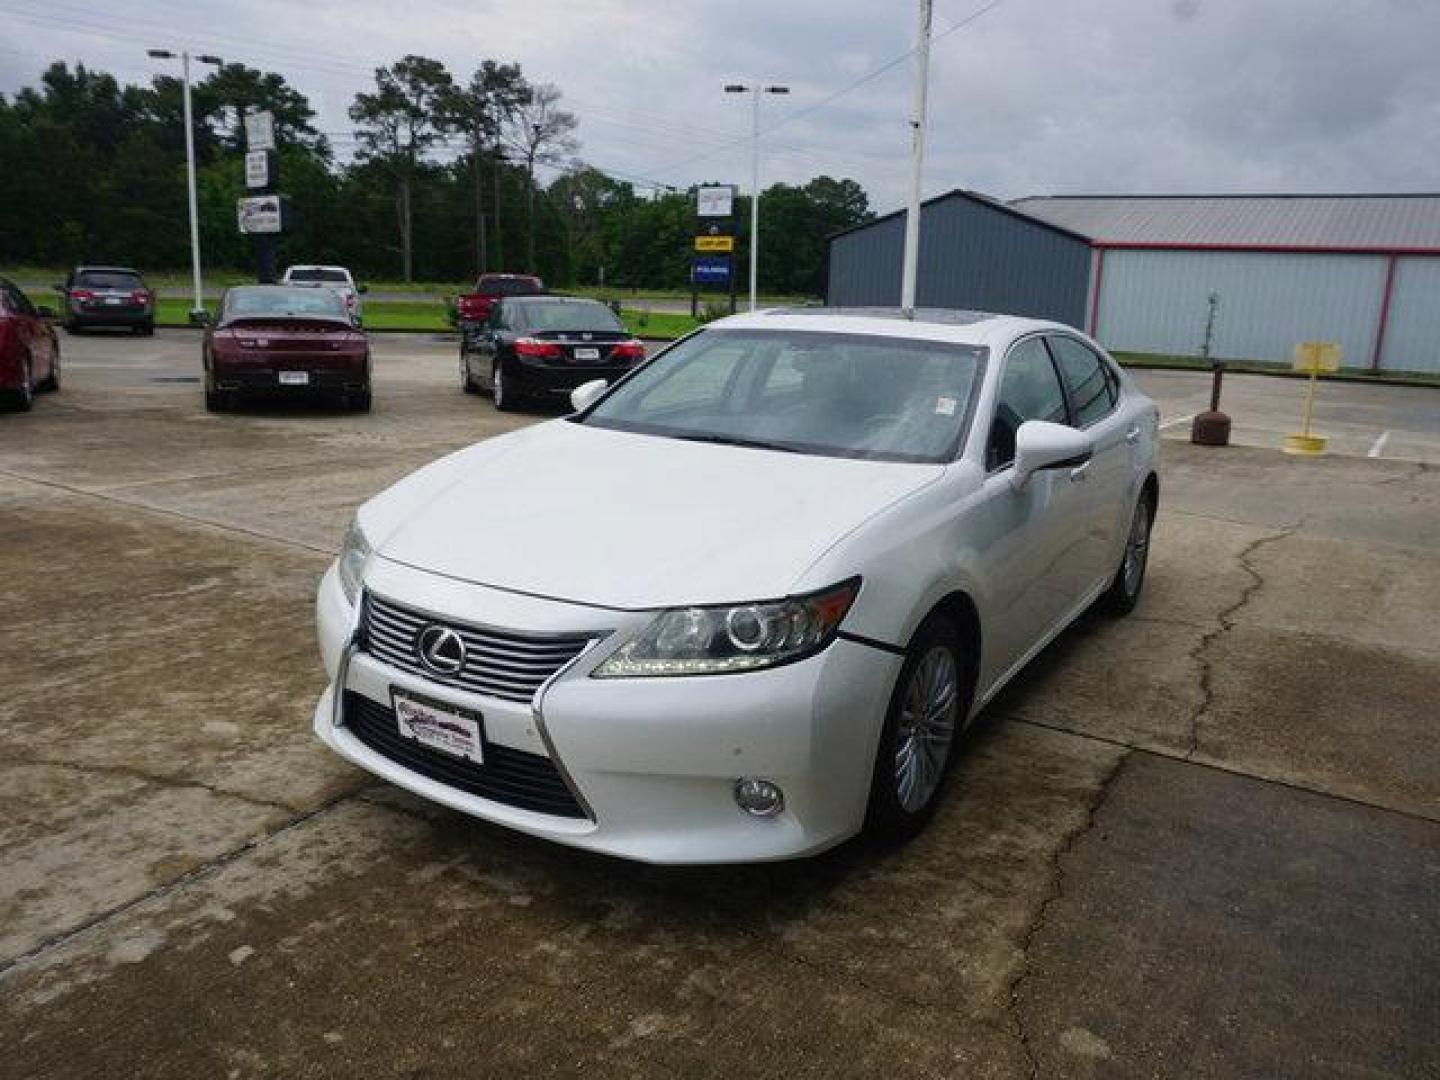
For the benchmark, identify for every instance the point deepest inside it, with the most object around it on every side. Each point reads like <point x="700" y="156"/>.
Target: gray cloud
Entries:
<point x="1038" y="96"/>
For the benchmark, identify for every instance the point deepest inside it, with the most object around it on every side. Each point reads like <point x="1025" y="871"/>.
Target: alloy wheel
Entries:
<point x="1136" y="547"/>
<point x="497" y="384"/>
<point x="929" y="715"/>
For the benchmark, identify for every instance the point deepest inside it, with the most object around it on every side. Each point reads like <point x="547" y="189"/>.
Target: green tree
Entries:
<point x="398" y="123"/>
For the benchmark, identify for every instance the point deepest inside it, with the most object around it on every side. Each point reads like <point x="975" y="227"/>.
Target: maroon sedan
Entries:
<point x="29" y="352"/>
<point x="283" y="340"/>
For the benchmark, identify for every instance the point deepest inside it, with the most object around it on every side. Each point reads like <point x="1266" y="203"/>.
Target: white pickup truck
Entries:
<point x="328" y="277"/>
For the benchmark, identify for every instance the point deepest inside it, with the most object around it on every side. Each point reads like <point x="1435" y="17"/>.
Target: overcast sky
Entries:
<point x="1032" y="97"/>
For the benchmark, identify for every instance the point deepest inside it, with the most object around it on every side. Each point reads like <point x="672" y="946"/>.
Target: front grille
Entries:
<point x="513" y="777"/>
<point x="498" y="663"/>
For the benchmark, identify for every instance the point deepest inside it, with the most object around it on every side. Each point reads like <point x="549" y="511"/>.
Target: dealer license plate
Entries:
<point x="439" y="726"/>
<point x="294" y="378"/>
<point x="583" y="353"/>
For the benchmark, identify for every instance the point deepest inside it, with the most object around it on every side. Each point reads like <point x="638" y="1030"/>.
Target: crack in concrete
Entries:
<point x="156" y="779"/>
<point x="1053" y="894"/>
<point x="165" y="511"/>
<point x="1224" y="623"/>
<point x="10" y="965"/>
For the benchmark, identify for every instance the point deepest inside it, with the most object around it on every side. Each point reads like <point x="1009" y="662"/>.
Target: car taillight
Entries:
<point x="140" y="296"/>
<point x="628" y="350"/>
<point x="81" y="294"/>
<point x="534" y="347"/>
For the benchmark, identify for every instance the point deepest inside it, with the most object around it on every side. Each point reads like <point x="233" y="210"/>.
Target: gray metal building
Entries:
<point x="976" y="253"/>
<point x="1363" y="270"/>
<point x="1137" y="271"/>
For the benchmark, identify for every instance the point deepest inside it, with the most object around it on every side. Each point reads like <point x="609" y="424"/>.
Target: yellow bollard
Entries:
<point x="1313" y="357"/>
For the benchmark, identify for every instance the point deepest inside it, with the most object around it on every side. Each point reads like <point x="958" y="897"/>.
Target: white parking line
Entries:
<point x="1176" y="420"/>
<point x="1378" y="447"/>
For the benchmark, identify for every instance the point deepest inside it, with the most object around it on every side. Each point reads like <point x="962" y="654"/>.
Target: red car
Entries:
<point x="29" y="351"/>
<point x="285" y="340"/>
<point x="474" y="308"/>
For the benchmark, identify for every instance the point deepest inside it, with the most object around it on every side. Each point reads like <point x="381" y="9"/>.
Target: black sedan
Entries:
<point x="107" y="296"/>
<point x="542" y="347"/>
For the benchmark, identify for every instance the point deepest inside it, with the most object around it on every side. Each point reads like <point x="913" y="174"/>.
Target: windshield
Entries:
<point x="270" y="300"/>
<point x="839" y="395"/>
<point x="565" y="315"/>
<point x="108" y="279"/>
<point x="320" y="275"/>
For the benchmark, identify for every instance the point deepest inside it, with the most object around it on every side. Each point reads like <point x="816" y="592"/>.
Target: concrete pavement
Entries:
<point x="1201" y="841"/>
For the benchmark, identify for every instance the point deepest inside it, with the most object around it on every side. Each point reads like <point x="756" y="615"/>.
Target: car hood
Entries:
<point x="632" y="521"/>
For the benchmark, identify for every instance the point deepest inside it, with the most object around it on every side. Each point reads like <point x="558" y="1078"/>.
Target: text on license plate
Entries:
<point x="294" y="378"/>
<point x="439" y="726"/>
<point x="583" y="353"/>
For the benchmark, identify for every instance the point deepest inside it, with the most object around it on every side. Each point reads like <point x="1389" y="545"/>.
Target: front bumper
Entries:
<point x="652" y="762"/>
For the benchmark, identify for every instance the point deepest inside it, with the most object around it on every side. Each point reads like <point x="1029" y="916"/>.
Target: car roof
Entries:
<point x="929" y="324"/>
<point x="315" y="266"/>
<point x="106" y="270"/>
<point x="549" y="298"/>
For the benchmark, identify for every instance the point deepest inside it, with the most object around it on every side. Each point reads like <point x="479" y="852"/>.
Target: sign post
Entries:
<point x="712" y="260"/>
<point x="263" y="213"/>
<point x="1312" y="357"/>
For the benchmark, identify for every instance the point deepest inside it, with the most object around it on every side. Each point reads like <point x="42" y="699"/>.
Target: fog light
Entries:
<point x="759" y="797"/>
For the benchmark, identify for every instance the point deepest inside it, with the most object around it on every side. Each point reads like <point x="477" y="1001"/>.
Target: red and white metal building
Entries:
<point x="1363" y="270"/>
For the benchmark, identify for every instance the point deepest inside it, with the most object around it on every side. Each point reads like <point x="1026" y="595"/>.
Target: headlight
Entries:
<point x="354" y="554"/>
<point x="740" y="637"/>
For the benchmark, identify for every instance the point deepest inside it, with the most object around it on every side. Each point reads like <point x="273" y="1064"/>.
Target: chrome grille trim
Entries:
<point x="506" y="664"/>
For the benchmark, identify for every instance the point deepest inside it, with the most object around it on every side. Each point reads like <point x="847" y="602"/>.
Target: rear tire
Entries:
<point x="71" y="326"/>
<point x="467" y="382"/>
<point x="360" y="402"/>
<point x="148" y="330"/>
<point x="924" y="724"/>
<point x="51" y="384"/>
<point x="1124" y="592"/>
<point x="217" y="401"/>
<point x="504" y="399"/>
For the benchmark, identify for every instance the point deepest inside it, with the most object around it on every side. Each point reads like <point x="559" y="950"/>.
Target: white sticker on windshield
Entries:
<point x="945" y="406"/>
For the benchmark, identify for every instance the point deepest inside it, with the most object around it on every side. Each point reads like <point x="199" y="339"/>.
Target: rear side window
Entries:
<point x="1029" y="390"/>
<point x="510" y="286"/>
<point x="319" y="275"/>
<point x="107" y="279"/>
<point x="1087" y="378"/>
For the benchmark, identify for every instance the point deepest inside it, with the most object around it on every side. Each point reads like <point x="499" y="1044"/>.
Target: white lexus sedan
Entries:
<point x="744" y="602"/>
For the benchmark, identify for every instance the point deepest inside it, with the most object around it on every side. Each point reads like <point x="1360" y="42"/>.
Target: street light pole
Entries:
<point x="197" y="310"/>
<point x="755" y="92"/>
<point x="911" y="260"/>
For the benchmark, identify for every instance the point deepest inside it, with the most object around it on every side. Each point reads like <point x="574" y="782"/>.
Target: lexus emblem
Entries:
<point x="441" y="649"/>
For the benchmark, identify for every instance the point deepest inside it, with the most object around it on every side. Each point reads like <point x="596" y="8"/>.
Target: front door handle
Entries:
<point x="1080" y="473"/>
<point x="1133" y="435"/>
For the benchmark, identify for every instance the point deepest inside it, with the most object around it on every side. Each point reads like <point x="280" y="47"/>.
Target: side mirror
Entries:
<point x="1040" y="444"/>
<point x="586" y="394"/>
<point x="45" y="312"/>
<point x="362" y="288"/>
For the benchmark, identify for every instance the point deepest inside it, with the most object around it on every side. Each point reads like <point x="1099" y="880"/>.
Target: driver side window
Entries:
<point x="1029" y="390"/>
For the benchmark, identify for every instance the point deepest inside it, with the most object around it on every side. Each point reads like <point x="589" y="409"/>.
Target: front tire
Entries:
<point x="927" y="715"/>
<point x="1124" y="591"/>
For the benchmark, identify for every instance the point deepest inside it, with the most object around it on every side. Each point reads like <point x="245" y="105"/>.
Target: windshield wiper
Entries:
<point x="737" y="440"/>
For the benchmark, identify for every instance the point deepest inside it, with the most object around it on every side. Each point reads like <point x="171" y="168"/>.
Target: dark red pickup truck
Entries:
<point x="474" y="308"/>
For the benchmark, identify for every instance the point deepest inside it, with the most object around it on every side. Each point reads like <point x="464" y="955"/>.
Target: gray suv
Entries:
<point x="107" y="296"/>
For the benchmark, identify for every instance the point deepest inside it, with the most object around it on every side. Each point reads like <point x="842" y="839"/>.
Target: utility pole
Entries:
<point x="197" y="310"/>
<point x="911" y="259"/>
<point x="755" y="92"/>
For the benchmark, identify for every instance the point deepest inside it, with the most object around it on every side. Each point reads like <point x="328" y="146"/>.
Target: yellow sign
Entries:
<point x="714" y="243"/>
<point x="1313" y="357"/>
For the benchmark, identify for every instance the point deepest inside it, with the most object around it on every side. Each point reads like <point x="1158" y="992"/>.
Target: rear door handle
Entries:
<point x="1080" y="473"/>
